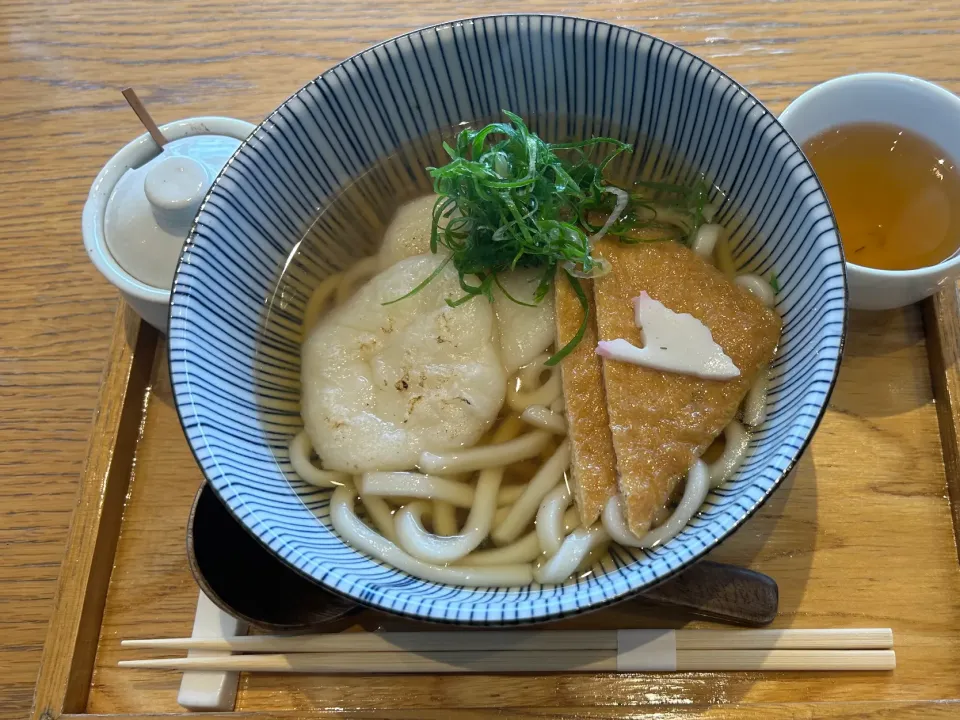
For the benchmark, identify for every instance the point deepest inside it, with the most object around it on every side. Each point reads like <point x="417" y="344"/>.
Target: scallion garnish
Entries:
<point x="508" y="199"/>
<point x="516" y="201"/>
<point x="575" y="340"/>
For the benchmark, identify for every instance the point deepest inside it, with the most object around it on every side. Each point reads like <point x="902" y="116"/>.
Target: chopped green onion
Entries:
<point x="774" y="282"/>
<point x="575" y="340"/>
<point x="508" y="199"/>
<point x="421" y="285"/>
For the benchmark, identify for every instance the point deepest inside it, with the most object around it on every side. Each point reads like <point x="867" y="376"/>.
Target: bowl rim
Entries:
<point x="894" y="82"/>
<point x="374" y="598"/>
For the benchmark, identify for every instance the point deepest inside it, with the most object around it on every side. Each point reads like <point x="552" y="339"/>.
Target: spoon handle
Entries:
<point x="720" y="592"/>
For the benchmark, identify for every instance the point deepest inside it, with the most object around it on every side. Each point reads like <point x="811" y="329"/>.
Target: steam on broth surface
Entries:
<point x="468" y="409"/>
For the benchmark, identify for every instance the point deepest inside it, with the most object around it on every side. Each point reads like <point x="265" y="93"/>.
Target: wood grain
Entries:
<point x="64" y="63"/>
<point x="941" y="316"/>
<point x="732" y="711"/>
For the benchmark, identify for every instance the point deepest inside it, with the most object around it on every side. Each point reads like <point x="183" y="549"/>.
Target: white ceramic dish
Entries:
<point x="150" y="302"/>
<point x="911" y="103"/>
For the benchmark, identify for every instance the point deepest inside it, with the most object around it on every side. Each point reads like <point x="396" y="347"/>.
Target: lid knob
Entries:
<point x="176" y="184"/>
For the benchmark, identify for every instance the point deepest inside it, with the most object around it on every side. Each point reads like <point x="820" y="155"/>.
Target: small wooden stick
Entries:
<point x="140" y="109"/>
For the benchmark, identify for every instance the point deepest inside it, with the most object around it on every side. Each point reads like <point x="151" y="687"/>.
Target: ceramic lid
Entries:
<point x="151" y="209"/>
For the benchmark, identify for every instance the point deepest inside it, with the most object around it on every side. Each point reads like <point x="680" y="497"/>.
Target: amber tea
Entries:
<point x="896" y="195"/>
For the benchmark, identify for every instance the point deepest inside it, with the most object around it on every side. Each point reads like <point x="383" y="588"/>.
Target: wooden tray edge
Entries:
<point x="867" y="710"/>
<point x="69" y="651"/>
<point x="941" y="319"/>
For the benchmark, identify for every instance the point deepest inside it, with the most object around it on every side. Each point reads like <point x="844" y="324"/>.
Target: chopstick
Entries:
<point x="519" y="661"/>
<point x="536" y="651"/>
<point x="532" y="640"/>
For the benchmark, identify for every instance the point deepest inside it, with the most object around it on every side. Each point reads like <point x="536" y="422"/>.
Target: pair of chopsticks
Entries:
<point x="516" y="651"/>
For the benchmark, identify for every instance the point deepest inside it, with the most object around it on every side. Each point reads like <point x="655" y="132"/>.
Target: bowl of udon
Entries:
<point x="507" y="319"/>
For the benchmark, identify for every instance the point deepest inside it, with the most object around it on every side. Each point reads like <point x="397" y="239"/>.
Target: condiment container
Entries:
<point x="143" y="202"/>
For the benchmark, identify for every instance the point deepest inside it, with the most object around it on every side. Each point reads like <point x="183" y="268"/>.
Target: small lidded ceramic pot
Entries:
<point x="143" y="202"/>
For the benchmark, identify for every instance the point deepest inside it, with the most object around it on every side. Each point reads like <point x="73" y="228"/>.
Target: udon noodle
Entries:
<point x="500" y="513"/>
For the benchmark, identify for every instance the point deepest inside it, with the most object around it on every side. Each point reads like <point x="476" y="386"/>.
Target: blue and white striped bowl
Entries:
<point x="236" y="380"/>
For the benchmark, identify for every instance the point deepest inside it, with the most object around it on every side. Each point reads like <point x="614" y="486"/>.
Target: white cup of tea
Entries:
<point x="918" y="107"/>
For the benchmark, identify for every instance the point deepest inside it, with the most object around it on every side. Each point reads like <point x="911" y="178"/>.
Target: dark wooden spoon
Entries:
<point x="245" y="580"/>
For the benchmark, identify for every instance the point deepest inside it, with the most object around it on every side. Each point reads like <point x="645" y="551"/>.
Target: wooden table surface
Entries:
<point x="63" y="64"/>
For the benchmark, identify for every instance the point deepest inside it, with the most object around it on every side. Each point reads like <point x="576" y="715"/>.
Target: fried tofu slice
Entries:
<point x="593" y="465"/>
<point x="661" y="422"/>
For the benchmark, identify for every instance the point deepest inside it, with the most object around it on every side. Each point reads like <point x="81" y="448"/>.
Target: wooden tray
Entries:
<point x="861" y="534"/>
